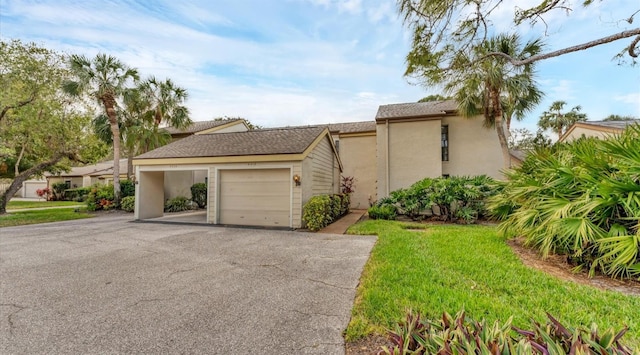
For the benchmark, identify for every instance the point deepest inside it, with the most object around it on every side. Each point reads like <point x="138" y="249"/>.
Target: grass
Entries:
<point x="449" y="268"/>
<point x="14" y="205"/>
<point x="40" y="216"/>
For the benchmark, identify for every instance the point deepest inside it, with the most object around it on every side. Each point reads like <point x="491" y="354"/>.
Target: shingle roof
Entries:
<point x="612" y="124"/>
<point x="353" y="127"/>
<point x="201" y="126"/>
<point x="293" y="140"/>
<point x="416" y="109"/>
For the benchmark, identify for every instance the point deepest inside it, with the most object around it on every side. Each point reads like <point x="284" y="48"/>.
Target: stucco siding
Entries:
<point x="233" y="128"/>
<point x="413" y="153"/>
<point x="473" y="149"/>
<point x="178" y="183"/>
<point x="358" y="156"/>
<point x="578" y="132"/>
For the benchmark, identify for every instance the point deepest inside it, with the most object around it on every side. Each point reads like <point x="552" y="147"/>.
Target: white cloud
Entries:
<point x="632" y="98"/>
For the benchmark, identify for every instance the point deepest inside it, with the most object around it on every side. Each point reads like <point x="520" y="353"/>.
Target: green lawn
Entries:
<point x="40" y="216"/>
<point x="14" y="205"/>
<point x="449" y="268"/>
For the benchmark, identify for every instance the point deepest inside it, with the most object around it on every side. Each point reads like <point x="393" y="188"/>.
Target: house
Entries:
<point x="84" y="176"/>
<point x="206" y="127"/>
<point x="430" y="139"/>
<point x="598" y="129"/>
<point x="264" y="177"/>
<point x="255" y="178"/>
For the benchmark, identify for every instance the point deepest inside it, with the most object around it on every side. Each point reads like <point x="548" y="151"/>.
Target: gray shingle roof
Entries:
<point x="416" y="109"/>
<point x="200" y="126"/>
<point x="293" y="140"/>
<point x="612" y="124"/>
<point x="353" y="127"/>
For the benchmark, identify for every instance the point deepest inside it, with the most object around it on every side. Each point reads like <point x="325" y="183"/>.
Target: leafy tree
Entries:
<point x="249" y="123"/>
<point x="44" y="132"/>
<point x="104" y="79"/>
<point x="620" y="118"/>
<point x="496" y="89"/>
<point x="436" y="97"/>
<point x="524" y="139"/>
<point x="444" y="29"/>
<point x="557" y="121"/>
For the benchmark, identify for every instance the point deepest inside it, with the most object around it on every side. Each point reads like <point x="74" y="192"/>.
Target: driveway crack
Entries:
<point x="20" y="308"/>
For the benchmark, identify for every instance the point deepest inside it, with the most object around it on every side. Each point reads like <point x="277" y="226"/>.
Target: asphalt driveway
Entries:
<point x="106" y="285"/>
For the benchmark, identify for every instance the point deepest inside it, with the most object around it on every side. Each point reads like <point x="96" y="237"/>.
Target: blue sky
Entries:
<point x="296" y="62"/>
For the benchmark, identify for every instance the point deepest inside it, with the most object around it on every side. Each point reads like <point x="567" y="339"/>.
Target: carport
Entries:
<point x="254" y="178"/>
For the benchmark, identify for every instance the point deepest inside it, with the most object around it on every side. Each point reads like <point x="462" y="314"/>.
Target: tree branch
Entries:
<point x="579" y="47"/>
<point x="19" y="104"/>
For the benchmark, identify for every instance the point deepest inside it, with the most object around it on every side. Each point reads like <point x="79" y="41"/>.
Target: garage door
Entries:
<point x="259" y="197"/>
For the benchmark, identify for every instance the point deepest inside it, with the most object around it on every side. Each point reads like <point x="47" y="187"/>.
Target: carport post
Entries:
<point x="149" y="194"/>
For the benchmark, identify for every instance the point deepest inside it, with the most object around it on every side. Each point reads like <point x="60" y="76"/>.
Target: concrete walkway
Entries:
<point x="340" y="226"/>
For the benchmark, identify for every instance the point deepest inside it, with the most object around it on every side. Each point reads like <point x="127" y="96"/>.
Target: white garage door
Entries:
<point x="259" y="197"/>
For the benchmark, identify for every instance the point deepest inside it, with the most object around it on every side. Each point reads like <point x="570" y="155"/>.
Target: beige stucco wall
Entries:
<point x="240" y="127"/>
<point x="149" y="194"/>
<point x="578" y="132"/>
<point x="473" y="149"/>
<point x="413" y="153"/>
<point x="77" y="181"/>
<point x="178" y="183"/>
<point x="358" y="156"/>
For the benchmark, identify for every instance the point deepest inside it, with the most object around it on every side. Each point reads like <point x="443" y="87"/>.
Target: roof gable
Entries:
<point x="202" y="126"/>
<point x="416" y="109"/>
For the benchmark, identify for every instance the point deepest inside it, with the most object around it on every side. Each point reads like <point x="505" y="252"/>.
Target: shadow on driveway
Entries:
<point x="104" y="285"/>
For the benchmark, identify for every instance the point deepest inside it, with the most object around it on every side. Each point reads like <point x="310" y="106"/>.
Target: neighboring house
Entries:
<point x="84" y="176"/>
<point x="206" y="127"/>
<point x="598" y="129"/>
<point x="257" y="178"/>
<point x="250" y="174"/>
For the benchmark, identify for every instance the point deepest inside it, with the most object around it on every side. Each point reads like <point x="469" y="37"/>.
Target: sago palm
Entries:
<point x="103" y="78"/>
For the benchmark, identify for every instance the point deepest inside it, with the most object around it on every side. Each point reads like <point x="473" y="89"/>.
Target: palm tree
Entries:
<point x="166" y="101"/>
<point x="103" y="78"/>
<point x="554" y="119"/>
<point x="495" y="88"/>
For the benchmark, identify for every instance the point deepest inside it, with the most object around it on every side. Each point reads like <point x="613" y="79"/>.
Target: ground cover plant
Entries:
<point x="446" y="268"/>
<point x="457" y="198"/>
<point x="41" y="216"/>
<point x="580" y="199"/>
<point x="14" y="205"/>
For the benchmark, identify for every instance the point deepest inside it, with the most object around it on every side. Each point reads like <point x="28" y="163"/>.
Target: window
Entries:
<point x="337" y="144"/>
<point x="444" y="137"/>
<point x="68" y="183"/>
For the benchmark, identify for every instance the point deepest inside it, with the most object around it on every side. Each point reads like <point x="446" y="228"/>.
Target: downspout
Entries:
<point x="387" y="161"/>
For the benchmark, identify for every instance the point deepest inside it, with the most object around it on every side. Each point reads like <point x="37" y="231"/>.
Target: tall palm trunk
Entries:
<point x="498" y="120"/>
<point x="109" y="103"/>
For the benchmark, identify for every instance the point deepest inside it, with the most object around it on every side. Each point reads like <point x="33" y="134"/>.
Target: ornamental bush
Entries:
<point x="127" y="188"/>
<point x="322" y="210"/>
<point x="128" y="203"/>
<point x="199" y="194"/>
<point x="463" y="335"/>
<point x="580" y="199"/>
<point x="177" y="204"/>
<point x="387" y="212"/>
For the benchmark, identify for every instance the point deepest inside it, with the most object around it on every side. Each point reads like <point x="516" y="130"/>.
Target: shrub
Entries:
<point x="78" y="194"/>
<point x="199" y="194"/>
<point x="128" y="203"/>
<point x="579" y="199"/>
<point x="100" y="197"/>
<point x="127" y="188"/>
<point x="177" y="204"/>
<point x="388" y="212"/>
<point x="44" y="193"/>
<point x="321" y="210"/>
<point x="463" y="335"/>
<point x="58" y="190"/>
<point x="453" y="199"/>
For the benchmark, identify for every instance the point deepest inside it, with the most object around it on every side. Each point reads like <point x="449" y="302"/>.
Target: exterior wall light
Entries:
<point x="296" y="179"/>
